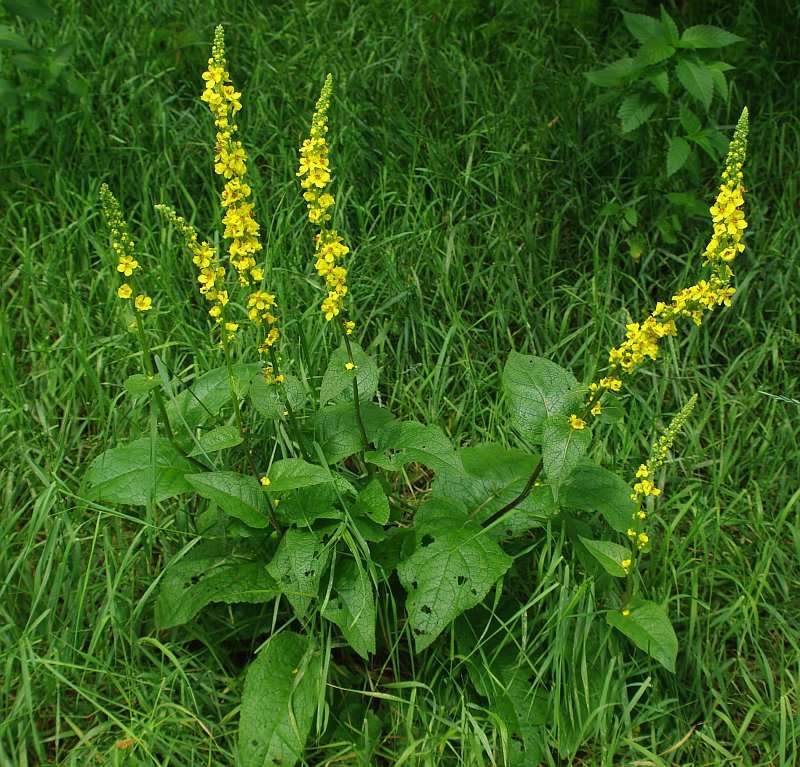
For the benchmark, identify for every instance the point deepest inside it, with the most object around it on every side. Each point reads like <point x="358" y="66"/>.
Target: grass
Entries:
<point x="470" y="174"/>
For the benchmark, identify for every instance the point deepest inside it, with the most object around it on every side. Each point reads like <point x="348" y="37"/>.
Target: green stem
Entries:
<point x="150" y="371"/>
<point x="289" y="411"/>
<point x="357" y="403"/>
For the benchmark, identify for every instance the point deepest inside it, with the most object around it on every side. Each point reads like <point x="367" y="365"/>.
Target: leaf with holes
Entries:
<point x="451" y="570"/>
<point x="352" y="606"/>
<point x="413" y="441"/>
<point x="649" y="628"/>
<point x="298" y="567"/>
<point x="337" y="383"/>
<point x="148" y="470"/>
<point x="562" y="447"/>
<point x="279" y="701"/>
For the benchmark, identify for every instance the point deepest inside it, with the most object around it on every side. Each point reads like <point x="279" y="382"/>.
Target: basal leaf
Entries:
<point x="269" y="400"/>
<point x="338" y="432"/>
<point x="238" y="495"/>
<point x="147" y="470"/>
<point x="562" y="447"/>
<point x="451" y="570"/>
<point x="609" y="555"/>
<point x="592" y="488"/>
<point x="279" y="702"/>
<point x="537" y="389"/>
<point x="413" y="441"/>
<point x="337" y="383"/>
<point x="298" y="567"/>
<point x="205" y="576"/>
<point x="649" y="628"/>
<point x="352" y="606"/>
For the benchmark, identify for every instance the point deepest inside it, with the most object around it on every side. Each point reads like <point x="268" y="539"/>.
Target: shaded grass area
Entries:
<point x="470" y="174"/>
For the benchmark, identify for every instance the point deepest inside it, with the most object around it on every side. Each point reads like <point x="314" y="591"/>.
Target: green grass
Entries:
<point x="475" y="224"/>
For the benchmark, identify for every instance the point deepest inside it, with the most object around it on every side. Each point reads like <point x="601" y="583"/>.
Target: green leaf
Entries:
<point x="33" y="10"/>
<point x="279" y="702"/>
<point x="352" y="606"/>
<point x="562" y="447"/>
<point x="677" y="154"/>
<point x="536" y="389"/>
<point x="372" y="503"/>
<point x="450" y="571"/>
<point x="270" y="400"/>
<point x="697" y="79"/>
<point x="654" y="52"/>
<point x="609" y="555"/>
<point x="643" y="28"/>
<point x="207" y="575"/>
<point x="148" y="470"/>
<point x="292" y="473"/>
<point x="220" y="438"/>
<point x="707" y="36"/>
<point x="298" y="567"/>
<point x="634" y="111"/>
<point x="139" y="384"/>
<point x="11" y="40"/>
<point x="493" y="476"/>
<point x="413" y="441"/>
<point x="616" y="74"/>
<point x="670" y="28"/>
<point x="720" y="82"/>
<point x="592" y="488"/>
<point x="660" y="82"/>
<point x="304" y="506"/>
<point x="237" y="495"/>
<point x="649" y="628"/>
<point x="337" y="430"/>
<point x="525" y="715"/>
<point x="337" y="383"/>
<point x="689" y="120"/>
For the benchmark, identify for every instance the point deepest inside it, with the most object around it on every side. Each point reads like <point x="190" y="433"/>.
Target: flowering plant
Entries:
<point x="313" y="515"/>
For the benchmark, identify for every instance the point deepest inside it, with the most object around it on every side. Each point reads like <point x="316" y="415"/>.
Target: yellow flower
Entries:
<point x="349" y="366"/>
<point x="124" y="290"/>
<point x="143" y="303"/>
<point x="576" y="423"/>
<point x="626" y="612"/>
<point x="626" y="564"/>
<point x="265" y="481"/>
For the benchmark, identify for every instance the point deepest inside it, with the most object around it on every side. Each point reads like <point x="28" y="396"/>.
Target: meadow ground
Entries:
<point x="490" y="207"/>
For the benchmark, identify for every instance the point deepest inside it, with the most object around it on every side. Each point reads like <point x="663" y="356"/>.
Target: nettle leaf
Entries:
<point x="635" y="110"/>
<point x="293" y="473"/>
<point x="493" y="476"/>
<point x="643" y="28"/>
<point x="654" y="51"/>
<point x="677" y="154"/>
<point x="139" y="384"/>
<point x="220" y="438"/>
<point x="298" y="567"/>
<point x="670" y="27"/>
<point x="270" y="400"/>
<point x="717" y="70"/>
<point x="237" y="495"/>
<point x="372" y="503"/>
<point x="148" y="470"/>
<point x="592" y="488"/>
<point x="337" y="383"/>
<point x="279" y="701"/>
<point x="450" y="571"/>
<point x="562" y="447"/>
<point x="413" y="441"/>
<point x="616" y="74"/>
<point x="689" y="120"/>
<point x="203" y="400"/>
<point x="337" y="429"/>
<point x="660" y="81"/>
<point x="708" y="36"/>
<point x="609" y="555"/>
<point x="352" y="606"/>
<point x="697" y="79"/>
<point x="537" y="389"/>
<point x="649" y="628"/>
<point x="207" y="575"/>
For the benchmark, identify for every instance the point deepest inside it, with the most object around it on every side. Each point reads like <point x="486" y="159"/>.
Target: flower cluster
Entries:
<point x="315" y="175"/>
<point x="230" y="162"/>
<point x="643" y="485"/>
<point x="693" y="302"/>
<point x="123" y="245"/>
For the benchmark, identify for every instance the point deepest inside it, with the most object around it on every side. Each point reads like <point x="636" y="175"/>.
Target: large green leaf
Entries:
<point x="592" y="488"/>
<point x="352" y="606"/>
<point x="270" y="400"/>
<point x="413" y="441"/>
<point x="238" y="495"/>
<point x="337" y="383"/>
<point x="644" y="28"/>
<point x="616" y="74"/>
<point x="493" y="476"/>
<point x="649" y="628"/>
<point x="677" y="154"/>
<point x="292" y="473"/>
<point x="337" y="429"/>
<point x="609" y="555"/>
<point x="220" y="438"/>
<point x="372" y="503"/>
<point x="451" y="570"/>
<point x="707" y="36"/>
<point x="537" y="389"/>
<point x="562" y="447"/>
<point x="206" y="575"/>
<point x="139" y="384"/>
<point x="302" y="507"/>
<point x="279" y="702"/>
<point x="696" y="77"/>
<point x="298" y="567"/>
<point x="635" y="110"/>
<point x="147" y="470"/>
